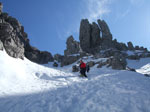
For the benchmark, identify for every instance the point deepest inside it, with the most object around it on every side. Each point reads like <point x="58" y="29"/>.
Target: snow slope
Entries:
<point x="142" y="66"/>
<point x="18" y="76"/>
<point x="29" y="87"/>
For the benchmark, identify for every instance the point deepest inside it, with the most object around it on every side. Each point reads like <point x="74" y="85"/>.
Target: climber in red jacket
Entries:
<point x="83" y="68"/>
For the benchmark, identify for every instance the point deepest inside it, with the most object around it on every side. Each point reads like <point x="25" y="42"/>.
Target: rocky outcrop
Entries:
<point x="106" y="35"/>
<point x="110" y="52"/>
<point x="130" y="46"/>
<point x="137" y="48"/>
<point x="75" y="68"/>
<point x="95" y="36"/>
<point x="91" y="63"/>
<point x="100" y="64"/>
<point x="41" y="57"/>
<point x="96" y="39"/>
<point x="118" y="62"/>
<point x="16" y="43"/>
<point x="104" y="29"/>
<point x="58" y="57"/>
<point x="141" y="48"/>
<point x="89" y="36"/>
<point x="122" y="47"/>
<point x="73" y="46"/>
<point x="10" y="39"/>
<point x="85" y="35"/>
<point x="119" y="46"/>
<point x="67" y="60"/>
<point x="92" y="43"/>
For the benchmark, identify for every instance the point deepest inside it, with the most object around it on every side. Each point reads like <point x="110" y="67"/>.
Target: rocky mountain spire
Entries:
<point x="72" y="46"/>
<point x="104" y="29"/>
<point x="91" y="41"/>
<point x="85" y="35"/>
<point x="89" y="36"/>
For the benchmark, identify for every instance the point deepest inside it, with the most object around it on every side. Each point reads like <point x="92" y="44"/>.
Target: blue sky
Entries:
<point x="49" y="22"/>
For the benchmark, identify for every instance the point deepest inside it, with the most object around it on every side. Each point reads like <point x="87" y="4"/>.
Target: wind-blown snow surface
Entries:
<point x="28" y="87"/>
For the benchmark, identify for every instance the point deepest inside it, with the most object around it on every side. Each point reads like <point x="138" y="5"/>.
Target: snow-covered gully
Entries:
<point x="28" y="87"/>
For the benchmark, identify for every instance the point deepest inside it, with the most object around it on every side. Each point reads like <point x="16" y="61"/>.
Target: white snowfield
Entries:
<point x="29" y="87"/>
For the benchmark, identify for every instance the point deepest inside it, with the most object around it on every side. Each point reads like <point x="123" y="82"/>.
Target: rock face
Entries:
<point x="16" y="42"/>
<point x="106" y="35"/>
<point x="104" y="29"/>
<point x="95" y="36"/>
<point x="89" y="36"/>
<point x="90" y="40"/>
<point x="85" y="35"/>
<point x="10" y="38"/>
<point x="73" y="46"/>
<point x="41" y="57"/>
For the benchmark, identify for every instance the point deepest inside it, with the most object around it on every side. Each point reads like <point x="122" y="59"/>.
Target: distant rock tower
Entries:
<point x="1" y="8"/>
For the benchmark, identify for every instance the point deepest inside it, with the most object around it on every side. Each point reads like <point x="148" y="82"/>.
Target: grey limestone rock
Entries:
<point x="11" y="42"/>
<point x="118" y="62"/>
<point x="106" y="35"/>
<point x="89" y="37"/>
<point x="85" y="35"/>
<point x="41" y="57"/>
<point x="95" y="36"/>
<point x="104" y="29"/>
<point x="16" y="43"/>
<point x="72" y="46"/>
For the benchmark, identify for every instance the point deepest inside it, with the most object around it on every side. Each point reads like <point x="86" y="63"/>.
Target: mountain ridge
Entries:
<point x="94" y="38"/>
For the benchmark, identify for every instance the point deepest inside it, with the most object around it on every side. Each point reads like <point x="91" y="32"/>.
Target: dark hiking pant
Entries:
<point x="83" y="72"/>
